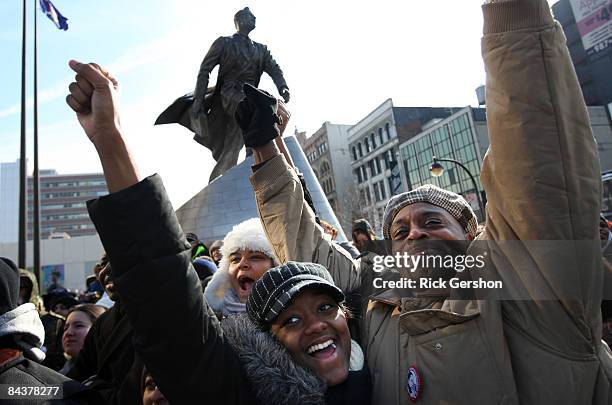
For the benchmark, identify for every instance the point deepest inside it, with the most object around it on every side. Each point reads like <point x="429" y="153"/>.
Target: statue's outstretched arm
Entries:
<point x="275" y="72"/>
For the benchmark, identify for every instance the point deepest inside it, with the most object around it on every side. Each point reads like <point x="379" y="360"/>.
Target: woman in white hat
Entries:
<point x="247" y="255"/>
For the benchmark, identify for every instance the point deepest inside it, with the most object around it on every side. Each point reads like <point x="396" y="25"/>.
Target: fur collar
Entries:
<point x="276" y="379"/>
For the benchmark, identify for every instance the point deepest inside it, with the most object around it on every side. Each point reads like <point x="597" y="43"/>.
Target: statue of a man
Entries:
<point x="210" y="111"/>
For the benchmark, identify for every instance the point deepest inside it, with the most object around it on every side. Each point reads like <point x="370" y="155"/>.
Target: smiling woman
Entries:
<point x="301" y="306"/>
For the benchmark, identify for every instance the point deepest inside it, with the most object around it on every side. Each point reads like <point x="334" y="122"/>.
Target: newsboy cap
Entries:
<point x="453" y="203"/>
<point x="277" y="288"/>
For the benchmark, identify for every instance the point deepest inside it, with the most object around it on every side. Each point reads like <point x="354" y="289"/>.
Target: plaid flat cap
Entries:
<point x="451" y="202"/>
<point x="277" y="288"/>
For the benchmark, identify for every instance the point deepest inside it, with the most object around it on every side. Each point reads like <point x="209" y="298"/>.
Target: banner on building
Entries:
<point x="594" y="23"/>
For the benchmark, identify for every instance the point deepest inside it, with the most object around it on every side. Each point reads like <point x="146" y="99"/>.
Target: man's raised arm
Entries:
<point x="541" y="174"/>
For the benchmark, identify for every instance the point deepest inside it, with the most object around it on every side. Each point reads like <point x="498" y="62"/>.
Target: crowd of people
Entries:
<point x="280" y="313"/>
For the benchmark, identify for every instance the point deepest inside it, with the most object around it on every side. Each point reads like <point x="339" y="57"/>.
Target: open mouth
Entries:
<point x="245" y="284"/>
<point x="322" y="350"/>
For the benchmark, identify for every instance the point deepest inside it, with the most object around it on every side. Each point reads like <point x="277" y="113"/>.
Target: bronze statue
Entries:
<point x="209" y="112"/>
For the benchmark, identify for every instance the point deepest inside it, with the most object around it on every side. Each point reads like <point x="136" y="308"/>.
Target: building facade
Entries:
<point x="328" y="155"/>
<point x="73" y="259"/>
<point x="9" y="202"/>
<point x="588" y="29"/>
<point x="462" y="137"/>
<point x="374" y="149"/>
<point x="63" y="212"/>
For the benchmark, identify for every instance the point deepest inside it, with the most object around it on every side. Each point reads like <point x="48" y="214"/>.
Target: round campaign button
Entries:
<point x="414" y="384"/>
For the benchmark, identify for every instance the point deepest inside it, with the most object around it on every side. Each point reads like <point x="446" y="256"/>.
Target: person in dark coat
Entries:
<point x="107" y="361"/>
<point x="53" y="323"/>
<point x="21" y="338"/>
<point x="363" y="235"/>
<point x="304" y="355"/>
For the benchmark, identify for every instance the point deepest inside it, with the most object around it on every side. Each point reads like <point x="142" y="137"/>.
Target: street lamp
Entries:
<point x="437" y="170"/>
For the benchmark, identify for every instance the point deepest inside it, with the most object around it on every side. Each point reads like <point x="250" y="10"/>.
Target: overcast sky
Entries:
<point x="341" y="59"/>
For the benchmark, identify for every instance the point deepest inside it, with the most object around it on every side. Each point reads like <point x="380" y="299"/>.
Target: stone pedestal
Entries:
<point x="229" y="199"/>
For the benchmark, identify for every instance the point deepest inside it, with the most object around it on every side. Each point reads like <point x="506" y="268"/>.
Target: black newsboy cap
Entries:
<point x="275" y="290"/>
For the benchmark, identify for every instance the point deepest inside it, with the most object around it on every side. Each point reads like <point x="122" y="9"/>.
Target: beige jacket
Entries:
<point x="541" y="175"/>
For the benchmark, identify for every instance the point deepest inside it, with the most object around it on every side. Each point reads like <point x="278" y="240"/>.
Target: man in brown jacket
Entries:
<point x="541" y="175"/>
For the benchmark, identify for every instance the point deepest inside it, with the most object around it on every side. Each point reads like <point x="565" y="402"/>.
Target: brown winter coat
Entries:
<point x="541" y="175"/>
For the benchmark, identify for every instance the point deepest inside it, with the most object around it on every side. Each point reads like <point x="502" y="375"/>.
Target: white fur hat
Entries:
<point x="247" y="235"/>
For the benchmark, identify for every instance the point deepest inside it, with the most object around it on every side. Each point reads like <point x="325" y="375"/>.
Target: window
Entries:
<point x="387" y="130"/>
<point x="373" y="140"/>
<point x="325" y="169"/>
<point x="366" y="140"/>
<point x="391" y="186"/>
<point x="360" y="150"/>
<point x="368" y="197"/>
<point x="354" y="153"/>
<point x="380" y="136"/>
<point x="364" y="173"/>
<point x="383" y="194"/>
<point x="374" y="165"/>
<point x="358" y="175"/>
<point x="376" y="192"/>
<point x="451" y="176"/>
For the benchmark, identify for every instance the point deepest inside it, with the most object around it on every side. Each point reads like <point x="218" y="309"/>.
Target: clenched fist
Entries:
<point x="93" y="96"/>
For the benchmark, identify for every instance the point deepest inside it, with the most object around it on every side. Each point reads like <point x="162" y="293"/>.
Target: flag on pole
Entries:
<point x="54" y="15"/>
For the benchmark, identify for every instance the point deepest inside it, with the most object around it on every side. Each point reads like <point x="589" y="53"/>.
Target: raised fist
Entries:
<point x="256" y="116"/>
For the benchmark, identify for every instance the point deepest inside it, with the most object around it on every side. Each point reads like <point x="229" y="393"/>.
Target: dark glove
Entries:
<point x="256" y="116"/>
<point x="285" y="94"/>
